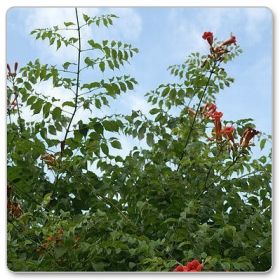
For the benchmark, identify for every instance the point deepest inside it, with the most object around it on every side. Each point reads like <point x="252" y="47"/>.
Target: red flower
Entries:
<point x="179" y="268"/>
<point x="231" y="40"/>
<point x="228" y="132"/>
<point x="9" y="69"/>
<point x="217" y="121"/>
<point x="248" y="134"/>
<point x="15" y="67"/>
<point x="192" y="266"/>
<point x="209" y="37"/>
<point x="209" y="109"/>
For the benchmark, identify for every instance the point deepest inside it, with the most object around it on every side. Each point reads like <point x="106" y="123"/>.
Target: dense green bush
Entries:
<point x="196" y="192"/>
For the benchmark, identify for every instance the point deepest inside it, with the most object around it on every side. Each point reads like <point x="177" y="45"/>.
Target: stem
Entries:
<point x="196" y="113"/>
<point x="223" y="173"/>
<point x="77" y="77"/>
<point x="18" y="112"/>
<point x="212" y="165"/>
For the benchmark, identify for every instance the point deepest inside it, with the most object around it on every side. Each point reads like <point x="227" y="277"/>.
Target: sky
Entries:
<point x="164" y="36"/>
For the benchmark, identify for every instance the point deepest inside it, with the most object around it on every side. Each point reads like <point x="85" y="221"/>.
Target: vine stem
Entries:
<point x="77" y="76"/>
<point x="223" y="173"/>
<point x="212" y="165"/>
<point x="196" y="113"/>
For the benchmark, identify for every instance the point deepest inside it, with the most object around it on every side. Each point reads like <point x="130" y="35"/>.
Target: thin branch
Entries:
<point x="67" y="29"/>
<point x="77" y="78"/>
<point x="67" y="71"/>
<point x="211" y="167"/>
<point x="196" y="113"/>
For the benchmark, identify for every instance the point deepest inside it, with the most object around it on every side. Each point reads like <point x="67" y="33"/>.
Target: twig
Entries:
<point x="78" y="77"/>
<point x="196" y="113"/>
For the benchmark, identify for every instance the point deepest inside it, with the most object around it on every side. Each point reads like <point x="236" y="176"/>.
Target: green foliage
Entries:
<point x="75" y="204"/>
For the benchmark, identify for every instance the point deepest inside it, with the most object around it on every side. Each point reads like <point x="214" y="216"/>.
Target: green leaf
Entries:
<point x="46" y="109"/>
<point x="68" y="103"/>
<point x="141" y="132"/>
<point x="47" y="199"/>
<point x="27" y="85"/>
<point x="165" y="91"/>
<point x="102" y="66"/>
<point x="154" y="111"/>
<point x="66" y="65"/>
<point x="97" y="103"/>
<point x="116" y="144"/>
<point x="56" y="113"/>
<point x="262" y="143"/>
<point x="86" y="18"/>
<point x="52" y="130"/>
<point x="150" y="139"/>
<point x="69" y="23"/>
<point x="59" y="251"/>
<point x="31" y="100"/>
<point x="94" y="45"/>
<point x="58" y="44"/>
<point x="98" y="127"/>
<point x="110" y="125"/>
<point x="37" y="106"/>
<point x="104" y="148"/>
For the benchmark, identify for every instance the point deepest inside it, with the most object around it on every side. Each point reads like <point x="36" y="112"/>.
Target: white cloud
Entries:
<point x="129" y="23"/>
<point x="48" y="17"/>
<point x="138" y="102"/>
<point x="186" y="31"/>
<point x="127" y="27"/>
<point x="255" y="19"/>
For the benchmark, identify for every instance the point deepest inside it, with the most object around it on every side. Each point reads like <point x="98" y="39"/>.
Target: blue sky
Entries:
<point x="165" y="36"/>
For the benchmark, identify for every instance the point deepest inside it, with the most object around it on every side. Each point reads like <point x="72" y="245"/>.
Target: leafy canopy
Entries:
<point x="197" y="191"/>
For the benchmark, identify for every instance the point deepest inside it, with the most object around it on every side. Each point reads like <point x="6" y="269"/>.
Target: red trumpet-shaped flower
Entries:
<point x="16" y="67"/>
<point x="217" y="122"/>
<point x="248" y="134"/>
<point x="231" y="40"/>
<point x="228" y="132"/>
<point x="209" y="37"/>
<point x="9" y="69"/>
<point x="193" y="266"/>
<point x="209" y="109"/>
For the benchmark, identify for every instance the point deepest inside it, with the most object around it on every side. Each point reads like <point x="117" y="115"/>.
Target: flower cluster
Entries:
<point x="218" y="51"/>
<point x="14" y="208"/>
<point x="210" y="111"/>
<point x="49" y="159"/>
<point x="52" y="240"/>
<point x="193" y="266"/>
<point x="10" y="73"/>
<point x="248" y="134"/>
